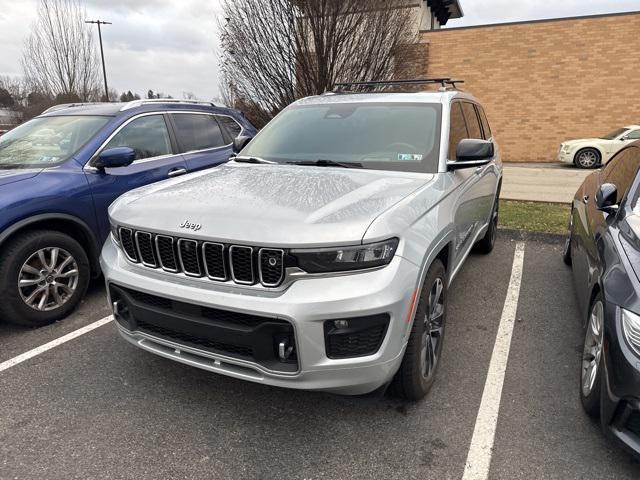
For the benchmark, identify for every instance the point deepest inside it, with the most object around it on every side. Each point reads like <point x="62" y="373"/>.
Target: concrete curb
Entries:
<point x="524" y="235"/>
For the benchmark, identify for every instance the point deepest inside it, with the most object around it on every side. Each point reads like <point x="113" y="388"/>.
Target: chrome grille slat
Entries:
<point x="241" y="264"/>
<point x="188" y="253"/>
<point x="215" y="263"/>
<point x="241" y="260"/>
<point x="146" y="252"/>
<point x="166" y="253"/>
<point x="128" y="244"/>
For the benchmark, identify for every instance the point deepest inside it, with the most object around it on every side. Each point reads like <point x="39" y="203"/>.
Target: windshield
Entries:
<point x="47" y="141"/>
<point x="615" y="134"/>
<point x="381" y="136"/>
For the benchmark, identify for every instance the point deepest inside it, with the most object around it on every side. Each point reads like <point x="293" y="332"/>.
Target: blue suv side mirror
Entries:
<point x="115" y="157"/>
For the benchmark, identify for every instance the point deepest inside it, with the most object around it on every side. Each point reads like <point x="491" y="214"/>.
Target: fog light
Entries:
<point x="341" y="324"/>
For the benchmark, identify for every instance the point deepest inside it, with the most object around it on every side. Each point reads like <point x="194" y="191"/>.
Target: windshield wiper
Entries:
<point x="328" y="163"/>
<point x="251" y="160"/>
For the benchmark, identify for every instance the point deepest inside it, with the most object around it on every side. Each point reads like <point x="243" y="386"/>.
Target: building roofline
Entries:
<point x="528" y="22"/>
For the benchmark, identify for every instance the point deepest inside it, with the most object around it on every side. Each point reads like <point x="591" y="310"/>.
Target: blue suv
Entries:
<point x="60" y="172"/>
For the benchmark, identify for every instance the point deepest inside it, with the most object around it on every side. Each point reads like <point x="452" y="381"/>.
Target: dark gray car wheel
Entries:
<point x="422" y="356"/>
<point x="591" y="372"/>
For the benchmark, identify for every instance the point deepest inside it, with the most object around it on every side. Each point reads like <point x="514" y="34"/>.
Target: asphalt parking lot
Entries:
<point x="96" y="407"/>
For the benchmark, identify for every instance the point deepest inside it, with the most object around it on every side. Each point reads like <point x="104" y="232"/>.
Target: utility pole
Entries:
<point x="104" y="70"/>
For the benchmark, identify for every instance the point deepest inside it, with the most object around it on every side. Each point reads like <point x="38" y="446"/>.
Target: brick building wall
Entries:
<point x="543" y="82"/>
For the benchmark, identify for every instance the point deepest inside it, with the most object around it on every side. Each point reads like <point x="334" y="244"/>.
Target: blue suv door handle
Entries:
<point x="176" y="172"/>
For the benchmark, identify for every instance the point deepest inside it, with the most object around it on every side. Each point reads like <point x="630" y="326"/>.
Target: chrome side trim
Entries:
<point x="262" y="281"/>
<point x="137" y="245"/>
<point x="175" y="259"/>
<point x="224" y="261"/>
<point x="233" y="275"/>
<point x="190" y="274"/>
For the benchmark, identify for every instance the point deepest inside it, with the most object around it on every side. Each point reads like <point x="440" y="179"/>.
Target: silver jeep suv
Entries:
<point x="320" y="257"/>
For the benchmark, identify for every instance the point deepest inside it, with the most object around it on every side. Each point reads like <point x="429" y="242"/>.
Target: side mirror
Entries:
<point x="240" y="142"/>
<point x="115" y="157"/>
<point x="472" y="152"/>
<point x="607" y="198"/>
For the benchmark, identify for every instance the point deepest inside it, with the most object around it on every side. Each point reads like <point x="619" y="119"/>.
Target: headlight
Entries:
<point x="566" y="148"/>
<point x="338" y="259"/>
<point x="631" y="329"/>
<point x="114" y="233"/>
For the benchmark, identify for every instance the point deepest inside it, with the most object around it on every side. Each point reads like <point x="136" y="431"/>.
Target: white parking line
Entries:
<point x="481" y="449"/>
<point x="52" y="344"/>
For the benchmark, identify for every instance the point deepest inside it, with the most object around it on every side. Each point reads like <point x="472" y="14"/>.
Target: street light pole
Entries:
<point x="104" y="70"/>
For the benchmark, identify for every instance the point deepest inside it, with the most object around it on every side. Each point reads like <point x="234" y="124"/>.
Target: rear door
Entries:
<point x="156" y="159"/>
<point x="201" y="139"/>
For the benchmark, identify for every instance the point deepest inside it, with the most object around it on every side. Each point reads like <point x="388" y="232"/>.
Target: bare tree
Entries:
<point x="59" y="57"/>
<point x="277" y="51"/>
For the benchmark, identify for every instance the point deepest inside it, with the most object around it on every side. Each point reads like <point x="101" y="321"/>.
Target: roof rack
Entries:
<point x="147" y="101"/>
<point x="444" y="82"/>
<point x="62" y="106"/>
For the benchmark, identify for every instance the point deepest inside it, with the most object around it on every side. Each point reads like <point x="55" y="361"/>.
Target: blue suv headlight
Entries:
<point x="340" y="259"/>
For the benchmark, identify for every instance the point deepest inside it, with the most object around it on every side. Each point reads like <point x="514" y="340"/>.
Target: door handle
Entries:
<point x="479" y="170"/>
<point x="585" y="199"/>
<point x="176" y="172"/>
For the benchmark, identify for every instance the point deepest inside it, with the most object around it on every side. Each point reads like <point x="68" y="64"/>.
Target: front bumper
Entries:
<point x="306" y="305"/>
<point x="565" y="156"/>
<point x="620" y="410"/>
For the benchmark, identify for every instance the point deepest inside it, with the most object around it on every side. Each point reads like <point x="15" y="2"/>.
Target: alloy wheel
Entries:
<point x="587" y="159"/>
<point x="48" y="279"/>
<point x="433" y="329"/>
<point x="592" y="348"/>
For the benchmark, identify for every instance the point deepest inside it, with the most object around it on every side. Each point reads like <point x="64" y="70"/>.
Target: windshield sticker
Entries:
<point x="409" y="157"/>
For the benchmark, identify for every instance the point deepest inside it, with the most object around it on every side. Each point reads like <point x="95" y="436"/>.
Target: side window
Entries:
<point x="148" y="136"/>
<point x="485" y="123"/>
<point x="621" y="170"/>
<point x="197" y="132"/>
<point x="473" y="124"/>
<point x="458" y="130"/>
<point x="230" y="124"/>
<point x="634" y="135"/>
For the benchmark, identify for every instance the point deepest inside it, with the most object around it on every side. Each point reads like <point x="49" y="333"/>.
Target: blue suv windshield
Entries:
<point x="378" y="136"/>
<point x="47" y="141"/>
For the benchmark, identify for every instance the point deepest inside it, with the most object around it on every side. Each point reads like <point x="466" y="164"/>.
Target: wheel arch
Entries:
<point x="63" y="223"/>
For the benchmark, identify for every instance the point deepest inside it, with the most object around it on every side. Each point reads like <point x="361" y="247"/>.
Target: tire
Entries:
<point x="51" y="289"/>
<point x="590" y="381"/>
<point x="587" y="158"/>
<point x="486" y="244"/>
<point x="566" y="251"/>
<point x="415" y="376"/>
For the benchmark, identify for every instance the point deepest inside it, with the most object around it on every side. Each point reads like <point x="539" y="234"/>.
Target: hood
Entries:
<point x="580" y="141"/>
<point x="268" y="205"/>
<point x="12" y="175"/>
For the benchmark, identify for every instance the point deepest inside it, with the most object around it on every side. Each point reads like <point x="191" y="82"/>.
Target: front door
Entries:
<point x="148" y="135"/>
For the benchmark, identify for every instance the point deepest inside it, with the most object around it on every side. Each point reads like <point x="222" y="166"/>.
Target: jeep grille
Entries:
<point x="220" y="262"/>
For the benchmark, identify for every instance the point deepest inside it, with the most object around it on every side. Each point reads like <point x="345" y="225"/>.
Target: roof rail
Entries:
<point x="444" y="82"/>
<point x="151" y="101"/>
<point x="62" y="106"/>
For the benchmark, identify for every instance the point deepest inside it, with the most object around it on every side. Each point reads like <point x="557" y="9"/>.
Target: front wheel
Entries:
<point x="587" y="158"/>
<point x="43" y="277"/>
<point x="422" y="356"/>
<point x="591" y="374"/>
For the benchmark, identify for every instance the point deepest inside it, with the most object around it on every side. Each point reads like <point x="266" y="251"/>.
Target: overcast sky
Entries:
<point x="170" y="45"/>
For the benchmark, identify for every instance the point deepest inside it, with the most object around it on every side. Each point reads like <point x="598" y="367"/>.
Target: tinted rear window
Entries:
<point x="197" y="132"/>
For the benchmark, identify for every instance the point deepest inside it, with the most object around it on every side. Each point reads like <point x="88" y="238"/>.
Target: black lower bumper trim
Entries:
<point x="232" y="334"/>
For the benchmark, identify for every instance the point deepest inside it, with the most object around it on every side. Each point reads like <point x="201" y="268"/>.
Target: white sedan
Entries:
<point x="594" y="152"/>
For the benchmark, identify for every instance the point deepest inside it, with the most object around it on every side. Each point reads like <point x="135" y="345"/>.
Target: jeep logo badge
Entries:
<point x="193" y="226"/>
